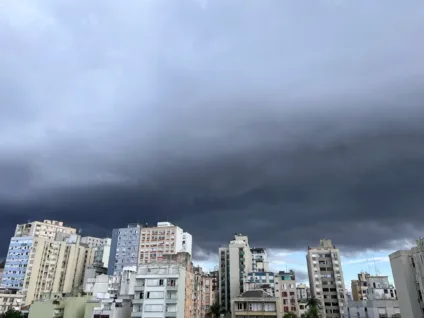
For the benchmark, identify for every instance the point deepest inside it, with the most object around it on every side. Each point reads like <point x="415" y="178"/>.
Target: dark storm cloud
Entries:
<point x="287" y="122"/>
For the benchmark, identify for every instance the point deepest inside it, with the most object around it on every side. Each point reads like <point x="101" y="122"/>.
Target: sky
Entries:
<point x="287" y="121"/>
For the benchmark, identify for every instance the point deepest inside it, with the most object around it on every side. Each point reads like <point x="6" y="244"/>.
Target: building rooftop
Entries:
<point x="259" y="293"/>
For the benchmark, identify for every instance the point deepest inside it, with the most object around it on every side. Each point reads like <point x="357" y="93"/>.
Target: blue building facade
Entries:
<point x="124" y="248"/>
<point x="17" y="262"/>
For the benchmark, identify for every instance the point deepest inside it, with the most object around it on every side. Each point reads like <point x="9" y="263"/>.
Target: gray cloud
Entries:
<point x="288" y="122"/>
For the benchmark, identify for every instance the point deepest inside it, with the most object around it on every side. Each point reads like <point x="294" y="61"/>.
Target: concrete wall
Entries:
<point x="404" y="276"/>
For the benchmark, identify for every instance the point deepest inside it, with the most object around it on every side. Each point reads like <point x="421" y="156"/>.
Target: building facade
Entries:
<point x="235" y="262"/>
<point x="260" y="261"/>
<point x="164" y="238"/>
<point x="408" y="274"/>
<point x="380" y="302"/>
<point x="124" y="248"/>
<point x="326" y="278"/>
<point x="47" y="229"/>
<point x="102" y="253"/>
<point x="10" y="299"/>
<point x="37" y="265"/>
<point x="360" y="287"/>
<point x="302" y="291"/>
<point x="260" y="280"/>
<point x="255" y="303"/>
<point x="286" y="282"/>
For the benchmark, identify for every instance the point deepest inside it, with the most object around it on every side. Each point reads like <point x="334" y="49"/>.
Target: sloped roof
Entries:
<point x="257" y="293"/>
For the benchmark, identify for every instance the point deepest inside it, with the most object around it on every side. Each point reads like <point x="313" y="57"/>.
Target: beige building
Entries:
<point x="408" y="273"/>
<point x="256" y="303"/>
<point x="54" y="267"/>
<point x="285" y="290"/>
<point x="360" y="286"/>
<point x="9" y="299"/>
<point x="326" y="278"/>
<point x="47" y="229"/>
<point x="235" y="262"/>
<point x="165" y="238"/>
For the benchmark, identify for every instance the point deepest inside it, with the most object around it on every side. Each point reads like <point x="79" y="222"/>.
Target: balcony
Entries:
<point x="172" y="287"/>
<point x="138" y="288"/>
<point x="172" y="300"/>
<point x="171" y="314"/>
<point x="138" y="301"/>
<point x="137" y="314"/>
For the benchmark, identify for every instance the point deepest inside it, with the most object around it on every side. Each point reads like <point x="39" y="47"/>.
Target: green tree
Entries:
<point x="216" y="309"/>
<point x="11" y="313"/>
<point x="314" y="305"/>
<point x="290" y="315"/>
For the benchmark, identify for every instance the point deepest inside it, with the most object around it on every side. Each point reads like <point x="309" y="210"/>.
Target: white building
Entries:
<point x="160" y="291"/>
<point x="408" y="273"/>
<point x="326" y="278"/>
<point x="235" y="263"/>
<point x="380" y="300"/>
<point x="92" y="241"/>
<point x="47" y="229"/>
<point x="10" y="299"/>
<point x="260" y="261"/>
<point x="302" y="292"/>
<point x="102" y="253"/>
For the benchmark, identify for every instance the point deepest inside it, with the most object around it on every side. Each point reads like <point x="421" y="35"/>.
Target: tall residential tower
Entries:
<point x="326" y="278"/>
<point x="235" y="262"/>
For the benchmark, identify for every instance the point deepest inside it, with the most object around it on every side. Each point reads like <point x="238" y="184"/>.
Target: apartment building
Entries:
<point x="101" y="253"/>
<point x="209" y="291"/>
<point x="255" y="303"/>
<point x="92" y="241"/>
<point x="9" y="299"/>
<point x="285" y="282"/>
<point x="302" y="291"/>
<point x="164" y="238"/>
<point x="360" y="287"/>
<point x="260" y="280"/>
<point x="54" y="267"/>
<point x="408" y="273"/>
<point x="235" y="262"/>
<point x="48" y="229"/>
<point x="214" y="277"/>
<point x="160" y="291"/>
<point x="381" y="300"/>
<point x="260" y="261"/>
<point x="124" y="248"/>
<point x="326" y="278"/>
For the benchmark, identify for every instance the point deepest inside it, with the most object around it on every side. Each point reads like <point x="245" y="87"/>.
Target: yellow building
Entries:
<point x="54" y="267"/>
<point x="256" y="303"/>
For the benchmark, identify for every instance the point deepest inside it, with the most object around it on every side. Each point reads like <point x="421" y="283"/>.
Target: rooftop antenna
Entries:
<point x="377" y="272"/>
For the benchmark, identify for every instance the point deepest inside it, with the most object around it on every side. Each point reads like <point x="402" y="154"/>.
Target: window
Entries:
<point x="153" y="308"/>
<point x="171" y="308"/>
<point x="152" y="282"/>
<point x="284" y="294"/>
<point x="155" y="295"/>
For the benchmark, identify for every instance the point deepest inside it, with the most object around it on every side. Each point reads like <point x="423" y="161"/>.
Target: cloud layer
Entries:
<point x="286" y="121"/>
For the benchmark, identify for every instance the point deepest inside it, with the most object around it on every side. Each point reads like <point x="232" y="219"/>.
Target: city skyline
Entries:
<point x="287" y="121"/>
<point x="375" y="263"/>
